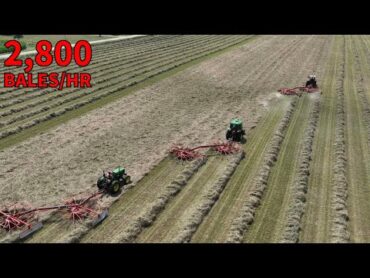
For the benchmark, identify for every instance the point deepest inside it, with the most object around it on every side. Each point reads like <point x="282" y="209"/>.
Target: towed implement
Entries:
<point x="310" y="87"/>
<point x="186" y="153"/>
<point x="23" y="217"/>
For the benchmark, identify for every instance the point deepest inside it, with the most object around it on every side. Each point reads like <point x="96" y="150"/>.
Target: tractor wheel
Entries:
<point x="114" y="187"/>
<point x="101" y="184"/>
<point x="228" y="134"/>
<point x="127" y="179"/>
<point x="121" y="182"/>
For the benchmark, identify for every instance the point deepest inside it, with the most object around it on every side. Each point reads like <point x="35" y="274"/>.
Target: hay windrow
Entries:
<point x="103" y="68"/>
<point x="339" y="212"/>
<point x="149" y="215"/>
<point x="102" y="61"/>
<point x="361" y="91"/>
<point x="8" y="238"/>
<point x="264" y="79"/>
<point x="208" y="200"/>
<point x="246" y="217"/>
<point x="134" y="79"/>
<point x="300" y="185"/>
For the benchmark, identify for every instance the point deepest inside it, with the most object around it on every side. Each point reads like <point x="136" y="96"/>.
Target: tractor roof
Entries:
<point x="236" y="122"/>
<point x="118" y="170"/>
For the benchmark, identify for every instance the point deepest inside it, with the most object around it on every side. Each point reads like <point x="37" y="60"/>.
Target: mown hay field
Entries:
<point x="303" y="173"/>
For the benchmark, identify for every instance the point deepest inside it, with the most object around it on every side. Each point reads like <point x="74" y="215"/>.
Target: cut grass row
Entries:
<point x="31" y="100"/>
<point x="119" y="83"/>
<point x="103" y="50"/>
<point x="116" y="57"/>
<point x="292" y="222"/>
<point x="188" y="222"/>
<point x="139" y="206"/>
<point x="214" y="226"/>
<point x="133" y="201"/>
<point x="186" y="211"/>
<point x="279" y="206"/>
<point x="148" y="80"/>
<point x="317" y="219"/>
<point x="357" y="140"/>
<point x="267" y="225"/>
<point x="269" y="219"/>
<point x="228" y="209"/>
<point x="277" y="57"/>
<point x="339" y="211"/>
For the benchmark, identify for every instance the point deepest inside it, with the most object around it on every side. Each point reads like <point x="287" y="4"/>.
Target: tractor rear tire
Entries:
<point x="114" y="187"/>
<point x="101" y="184"/>
<point x="127" y="180"/>
<point x="228" y="134"/>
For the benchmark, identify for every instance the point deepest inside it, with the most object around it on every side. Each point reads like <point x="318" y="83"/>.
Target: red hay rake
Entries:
<point x="296" y="90"/>
<point x="14" y="217"/>
<point x="24" y="217"/>
<point x="186" y="153"/>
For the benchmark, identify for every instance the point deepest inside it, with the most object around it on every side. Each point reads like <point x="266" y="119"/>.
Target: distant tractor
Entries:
<point x="311" y="82"/>
<point x="113" y="181"/>
<point x="235" y="132"/>
<point x="310" y="87"/>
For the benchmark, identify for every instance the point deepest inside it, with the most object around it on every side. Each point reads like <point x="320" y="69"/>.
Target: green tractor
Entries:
<point x="113" y="181"/>
<point x="235" y="132"/>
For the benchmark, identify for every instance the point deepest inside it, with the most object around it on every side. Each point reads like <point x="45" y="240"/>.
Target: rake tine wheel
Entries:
<point x="184" y="153"/>
<point x="22" y="216"/>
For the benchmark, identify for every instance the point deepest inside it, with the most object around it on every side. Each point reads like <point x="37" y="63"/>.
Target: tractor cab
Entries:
<point x="236" y="124"/>
<point x="235" y="132"/>
<point x="118" y="172"/>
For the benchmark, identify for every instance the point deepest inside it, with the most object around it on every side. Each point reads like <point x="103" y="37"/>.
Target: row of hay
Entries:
<point x="360" y="86"/>
<point x="120" y="64"/>
<point x="18" y="129"/>
<point x="108" y="58"/>
<point x="300" y="184"/>
<point x="246" y="216"/>
<point x="100" y="72"/>
<point x="339" y="212"/>
<point x="136" y="73"/>
<point x="156" y="207"/>
<point x="66" y="92"/>
<point x="8" y="238"/>
<point x="208" y="200"/>
<point x="109" y="50"/>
